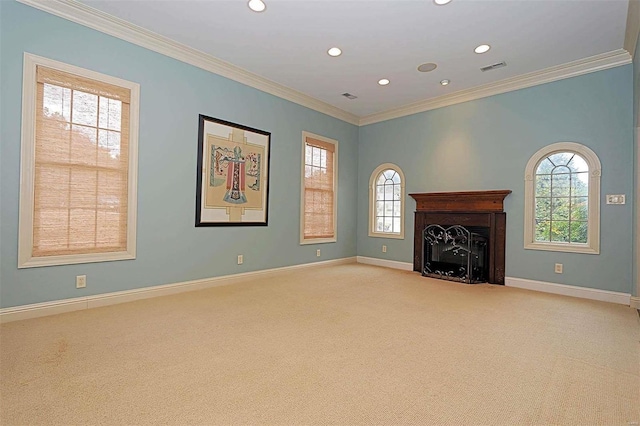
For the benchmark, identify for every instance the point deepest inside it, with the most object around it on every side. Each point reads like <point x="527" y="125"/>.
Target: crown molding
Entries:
<point x="571" y="69"/>
<point x="90" y="17"/>
<point x="87" y="16"/>
<point x="633" y="27"/>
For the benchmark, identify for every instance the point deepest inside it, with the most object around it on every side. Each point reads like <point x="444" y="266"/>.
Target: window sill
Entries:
<point x="318" y="241"/>
<point x="387" y="235"/>
<point x="72" y="259"/>
<point x="563" y="247"/>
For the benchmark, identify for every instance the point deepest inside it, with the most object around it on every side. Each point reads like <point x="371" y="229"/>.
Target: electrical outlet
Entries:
<point x="384" y="249"/>
<point x="240" y="259"/>
<point x="318" y="252"/>
<point x="81" y="281"/>
<point x="558" y="268"/>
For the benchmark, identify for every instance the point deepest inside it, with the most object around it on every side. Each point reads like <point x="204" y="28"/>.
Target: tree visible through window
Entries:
<point x="561" y="202"/>
<point x="562" y="199"/>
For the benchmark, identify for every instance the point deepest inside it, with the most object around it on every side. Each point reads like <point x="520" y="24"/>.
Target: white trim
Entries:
<point x="89" y="17"/>
<point x="372" y="201"/>
<point x="79" y="303"/>
<point x="569" y="290"/>
<point x="334" y="142"/>
<point x="633" y="27"/>
<point x="27" y="166"/>
<point x="600" y="62"/>
<point x="635" y="302"/>
<point x="595" y="171"/>
<point x="404" y="266"/>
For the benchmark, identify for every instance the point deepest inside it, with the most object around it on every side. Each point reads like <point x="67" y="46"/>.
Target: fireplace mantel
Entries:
<point x="470" y="208"/>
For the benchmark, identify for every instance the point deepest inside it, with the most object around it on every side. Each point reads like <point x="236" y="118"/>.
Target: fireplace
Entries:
<point x="460" y="236"/>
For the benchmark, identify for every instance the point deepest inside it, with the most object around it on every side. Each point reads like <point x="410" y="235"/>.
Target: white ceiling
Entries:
<point x="287" y="43"/>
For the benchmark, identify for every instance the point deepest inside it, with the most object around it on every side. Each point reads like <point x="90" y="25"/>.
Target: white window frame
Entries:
<point x="372" y="202"/>
<point x="27" y="167"/>
<point x="303" y="240"/>
<point x="595" y="171"/>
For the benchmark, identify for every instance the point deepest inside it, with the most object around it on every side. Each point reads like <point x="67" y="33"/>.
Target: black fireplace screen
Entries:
<point x="454" y="253"/>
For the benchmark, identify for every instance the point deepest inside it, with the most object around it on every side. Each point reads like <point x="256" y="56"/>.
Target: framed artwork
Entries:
<point x="233" y="174"/>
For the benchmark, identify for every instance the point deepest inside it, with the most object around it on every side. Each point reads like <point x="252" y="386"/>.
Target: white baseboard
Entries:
<point x="405" y="266"/>
<point x="635" y="302"/>
<point x="569" y="290"/>
<point x="87" y="302"/>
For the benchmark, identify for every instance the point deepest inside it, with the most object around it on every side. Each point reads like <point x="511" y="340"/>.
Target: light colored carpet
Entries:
<point x="350" y="344"/>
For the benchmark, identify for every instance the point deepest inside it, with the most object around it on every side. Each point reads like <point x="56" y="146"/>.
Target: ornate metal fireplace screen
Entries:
<point x="454" y="253"/>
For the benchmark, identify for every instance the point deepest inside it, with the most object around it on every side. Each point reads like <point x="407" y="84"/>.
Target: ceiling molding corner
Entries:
<point x="571" y="69"/>
<point x="92" y="18"/>
<point x="633" y="27"/>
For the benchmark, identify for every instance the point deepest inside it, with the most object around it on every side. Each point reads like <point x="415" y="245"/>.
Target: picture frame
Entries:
<point x="232" y="187"/>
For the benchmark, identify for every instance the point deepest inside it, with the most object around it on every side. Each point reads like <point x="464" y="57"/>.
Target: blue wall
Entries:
<point x="170" y="249"/>
<point x="476" y="145"/>
<point x="636" y="202"/>
<point x="485" y="144"/>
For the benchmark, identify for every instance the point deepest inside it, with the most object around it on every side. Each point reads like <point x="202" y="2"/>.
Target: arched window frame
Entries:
<point x="595" y="171"/>
<point x="372" y="201"/>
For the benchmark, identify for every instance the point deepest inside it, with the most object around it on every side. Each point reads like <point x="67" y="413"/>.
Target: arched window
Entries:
<point x="562" y="199"/>
<point x="386" y="202"/>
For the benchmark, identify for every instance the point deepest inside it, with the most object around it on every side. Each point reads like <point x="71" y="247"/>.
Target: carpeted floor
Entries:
<point x="345" y="345"/>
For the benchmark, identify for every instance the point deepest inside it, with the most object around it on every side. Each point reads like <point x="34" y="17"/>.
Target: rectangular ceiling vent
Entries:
<point x="493" y="67"/>
<point x="349" y="96"/>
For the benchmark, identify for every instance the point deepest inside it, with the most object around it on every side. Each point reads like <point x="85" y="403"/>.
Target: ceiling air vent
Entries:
<point x="349" y="96"/>
<point x="493" y="67"/>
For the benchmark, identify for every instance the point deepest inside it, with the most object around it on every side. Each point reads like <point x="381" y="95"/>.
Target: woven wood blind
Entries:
<point x="81" y="165"/>
<point x="319" y="189"/>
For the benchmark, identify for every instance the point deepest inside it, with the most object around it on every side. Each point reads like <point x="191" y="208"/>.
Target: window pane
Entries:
<point x="543" y="185"/>
<point x="379" y="208"/>
<point x="580" y="208"/>
<point x="380" y="192"/>
<point x="561" y="158"/>
<point x="396" y="225"/>
<point x="381" y="179"/>
<point x="396" y="192"/>
<point x="577" y="164"/>
<point x="308" y="154"/>
<point x="316" y="156"/>
<point x="388" y="174"/>
<point x="579" y="232"/>
<point x="560" y="209"/>
<point x="545" y="167"/>
<point x="543" y="208"/>
<point x="396" y="208"/>
<point x="580" y="184"/>
<point x="57" y="102"/>
<point x="379" y="224"/>
<point x="396" y="179"/>
<point x="110" y="114"/>
<point x="560" y="231"/>
<point x="388" y="192"/>
<point x="388" y="208"/>
<point x="543" y="230"/>
<point x="323" y="158"/>
<point x="85" y="108"/>
<point x="388" y="224"/>
<point x="560" y="185"/>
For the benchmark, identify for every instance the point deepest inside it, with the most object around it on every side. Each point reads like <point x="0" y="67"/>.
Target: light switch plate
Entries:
<point x="615" y="199"/>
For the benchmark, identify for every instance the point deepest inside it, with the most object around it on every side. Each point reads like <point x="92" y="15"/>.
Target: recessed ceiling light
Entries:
<point x="428" y="67"/>
<point x="257" y="5"/>
<point x="482" y="48"/>
<point x="383" y="81"/>
<point x="441" y="2"/>
<point x="334" y="51"/>
<point x="445" y="82"/>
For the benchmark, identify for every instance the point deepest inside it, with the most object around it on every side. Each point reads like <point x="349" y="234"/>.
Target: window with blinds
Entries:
<point x="319" y="190"/>
<point x="79" y="163"/>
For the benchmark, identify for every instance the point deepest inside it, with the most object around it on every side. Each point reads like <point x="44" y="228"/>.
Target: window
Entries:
<point x="319" y="184"/>
<point x="79" y="165"/>
<point x="562" y="199"/>
<point x="386" y="202"/>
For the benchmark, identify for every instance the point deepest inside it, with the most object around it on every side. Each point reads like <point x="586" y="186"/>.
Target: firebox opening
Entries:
<point x="456" y="253"/>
